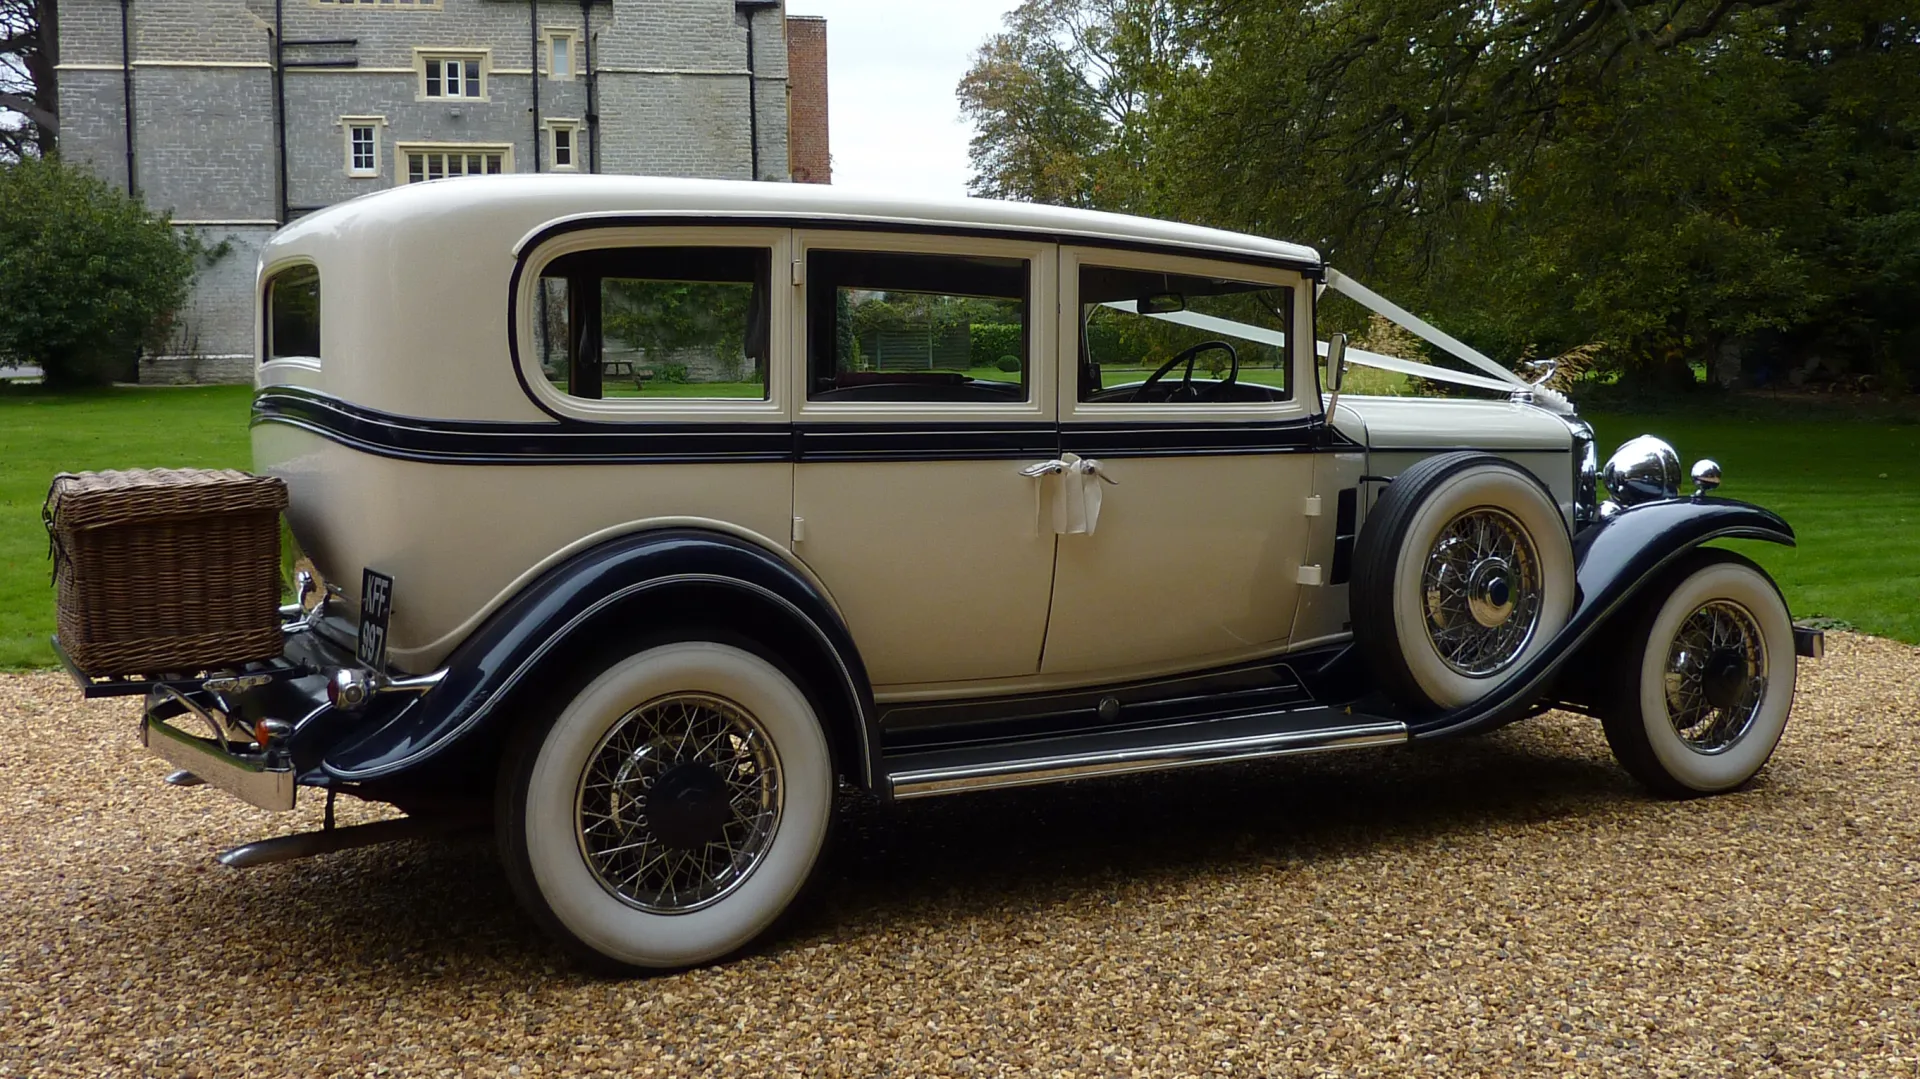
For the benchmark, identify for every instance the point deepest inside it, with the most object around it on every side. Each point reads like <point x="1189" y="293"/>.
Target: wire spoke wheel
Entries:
<point x="1482" y="588"/>
<point x="1715" y="676"/>
<point x="678" y="803"/>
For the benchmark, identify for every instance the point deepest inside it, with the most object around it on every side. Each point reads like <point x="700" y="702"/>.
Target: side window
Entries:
<point x="656" y="322"/>
<point x="886" y="326"/>
<point x="1180" y="338"/>
<point x="293" y="313"/>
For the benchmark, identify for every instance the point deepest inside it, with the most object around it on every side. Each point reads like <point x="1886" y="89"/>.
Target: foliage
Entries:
<point x="29" y="99"/>
<point x="1687" y="180"/>
<point x="996" y="342"/>
<point x="1061" y="100"/>
<point x="88" y="274"/>
<point x="663" y="317"/>
<point x="977" y="328"/>
<point x="928" y="311"/>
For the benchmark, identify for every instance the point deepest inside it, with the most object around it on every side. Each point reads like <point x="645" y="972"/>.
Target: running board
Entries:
<point x="923" y="773"/>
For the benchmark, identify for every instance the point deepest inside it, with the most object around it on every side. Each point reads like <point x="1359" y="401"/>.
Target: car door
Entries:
<point x="1190" y="543"/>
<point x="925" y="390"/>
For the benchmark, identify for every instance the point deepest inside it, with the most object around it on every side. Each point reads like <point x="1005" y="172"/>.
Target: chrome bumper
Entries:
<point x="1809" y="642"/>
<point x="238" y="767"/>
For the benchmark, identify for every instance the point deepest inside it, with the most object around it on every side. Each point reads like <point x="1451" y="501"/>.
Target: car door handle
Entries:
<point x="1087" y="466"/>
<point x="1076" y="498"/>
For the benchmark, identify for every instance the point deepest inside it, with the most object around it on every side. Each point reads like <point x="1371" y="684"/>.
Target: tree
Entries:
<point x="89" y="275"/>
<point x="29" y="94"/>
<point x="1062" y="100"/>
<point x="1678" y="178"/>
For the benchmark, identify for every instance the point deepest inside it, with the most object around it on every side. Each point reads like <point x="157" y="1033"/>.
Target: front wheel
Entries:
<point x="671" y="810"/>
<point x="1704" y="682"/>
<point x="1463" y="572"/>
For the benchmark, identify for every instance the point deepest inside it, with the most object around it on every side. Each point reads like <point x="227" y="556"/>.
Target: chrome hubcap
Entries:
<point x="679" y="802"/>
<point x="1490" y="593"/>
<point x="1716" y="676"/>
<point x="1483" y="592"/>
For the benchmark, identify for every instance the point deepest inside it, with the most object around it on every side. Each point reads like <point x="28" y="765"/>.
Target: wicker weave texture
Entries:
<point x="166" y="570"/>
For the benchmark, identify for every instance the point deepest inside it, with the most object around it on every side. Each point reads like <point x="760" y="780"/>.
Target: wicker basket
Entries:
<point x="166" y="570"/>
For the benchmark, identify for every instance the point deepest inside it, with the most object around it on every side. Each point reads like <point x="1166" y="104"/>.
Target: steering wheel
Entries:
<point x="1188" y="355"/>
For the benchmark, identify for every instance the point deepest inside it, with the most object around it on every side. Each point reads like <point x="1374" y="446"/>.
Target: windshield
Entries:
<point x="1134" y="322"/>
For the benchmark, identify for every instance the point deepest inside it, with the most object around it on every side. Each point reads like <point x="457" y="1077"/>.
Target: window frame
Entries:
<point x="553" y="128"/>
<point x="551" y="35"/>
<point x="348" y="124"/>
<point x="423" y="58"/>
<point x="1042" y="335"/>
<point x="263" y="293"/>
<point x="775" y="407"/>
<point x="1301" y="401"/>
<point x="403" y="165"/>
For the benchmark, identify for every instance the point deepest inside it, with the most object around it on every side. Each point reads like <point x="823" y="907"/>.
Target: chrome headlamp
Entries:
<point x="1643" y="469"/>
<point x="1586" y="473"/>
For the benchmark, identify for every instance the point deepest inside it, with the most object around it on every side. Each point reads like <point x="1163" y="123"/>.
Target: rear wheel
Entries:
<point x="1701" y="689"/>
<point x="671" y="810"/>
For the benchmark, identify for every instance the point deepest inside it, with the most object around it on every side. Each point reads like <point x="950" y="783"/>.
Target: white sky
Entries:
<point x="892" y="67"/>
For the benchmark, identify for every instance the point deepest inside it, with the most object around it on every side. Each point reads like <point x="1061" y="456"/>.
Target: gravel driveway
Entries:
<point x="1506" y="904"/>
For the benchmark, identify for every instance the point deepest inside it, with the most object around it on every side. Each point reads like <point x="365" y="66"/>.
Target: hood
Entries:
<point x="1430" y="423"/>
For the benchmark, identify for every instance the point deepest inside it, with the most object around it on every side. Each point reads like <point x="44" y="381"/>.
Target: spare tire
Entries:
<point x="1463" y="571"/>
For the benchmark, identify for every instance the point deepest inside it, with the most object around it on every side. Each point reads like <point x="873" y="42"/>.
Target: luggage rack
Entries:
<point x="245" y="676"/>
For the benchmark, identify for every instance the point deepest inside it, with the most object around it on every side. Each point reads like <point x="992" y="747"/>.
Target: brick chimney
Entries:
<point x="808" y="153"/>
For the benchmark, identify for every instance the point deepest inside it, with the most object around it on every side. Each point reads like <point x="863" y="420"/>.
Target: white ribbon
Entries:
<point x="1496" y="377"/>
<point x="1076" y="493"/>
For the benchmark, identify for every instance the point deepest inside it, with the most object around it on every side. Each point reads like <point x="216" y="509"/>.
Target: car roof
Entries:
<point x="547" y="200"/>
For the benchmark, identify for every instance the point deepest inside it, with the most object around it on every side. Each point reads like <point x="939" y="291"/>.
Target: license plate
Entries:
<point x="376" y="607"/>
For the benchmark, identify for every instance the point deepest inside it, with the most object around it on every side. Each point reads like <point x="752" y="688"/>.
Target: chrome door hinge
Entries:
<point x="799" y="529"/>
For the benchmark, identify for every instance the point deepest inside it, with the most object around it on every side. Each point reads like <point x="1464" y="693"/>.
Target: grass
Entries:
<point x="42" y="433"/>
<point x="1850" y="487"/>
<point x="1851" y="490"/>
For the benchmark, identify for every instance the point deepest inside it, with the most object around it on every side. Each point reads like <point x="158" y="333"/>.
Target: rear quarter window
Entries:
<point x="293" y="313"/>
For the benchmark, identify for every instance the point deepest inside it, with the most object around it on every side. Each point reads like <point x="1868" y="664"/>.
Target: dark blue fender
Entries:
<point x="630" y="583"/>
<point x="1612" y="560"/>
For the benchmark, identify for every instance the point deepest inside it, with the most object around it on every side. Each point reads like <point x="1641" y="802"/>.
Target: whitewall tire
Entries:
<point x="1705" y="678"/>
<point x="1463" y="571"/>
<point x="671" y="811"/>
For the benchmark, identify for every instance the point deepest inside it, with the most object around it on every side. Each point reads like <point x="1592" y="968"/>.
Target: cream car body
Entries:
<point x="402" y="514"/>
<point x="913" y="495"/>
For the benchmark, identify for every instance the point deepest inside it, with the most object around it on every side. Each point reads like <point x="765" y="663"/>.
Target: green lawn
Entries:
<point x="1850" y="488"/>
<point x="43" y="433"/>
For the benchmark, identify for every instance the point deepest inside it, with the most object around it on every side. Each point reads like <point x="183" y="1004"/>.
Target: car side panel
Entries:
<point x="1194" y="559"/>
<point x="1322" y="613"/>
<point x="940" y="567"/>
<point x="460" y="539"/>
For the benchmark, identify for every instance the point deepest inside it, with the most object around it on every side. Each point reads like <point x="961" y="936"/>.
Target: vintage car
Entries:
<point x="645" y="518"/>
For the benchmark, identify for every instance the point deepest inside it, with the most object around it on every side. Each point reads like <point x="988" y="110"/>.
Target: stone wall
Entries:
<point x="671" y="81"/>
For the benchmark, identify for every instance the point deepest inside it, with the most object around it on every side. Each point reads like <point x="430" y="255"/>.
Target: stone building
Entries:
<point x="240" y="115"/>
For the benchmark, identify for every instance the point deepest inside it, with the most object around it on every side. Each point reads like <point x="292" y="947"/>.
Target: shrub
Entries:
<point x="988" y="341"/>
<point x="89" y="275"/>
<point x="1009" y="364"/>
